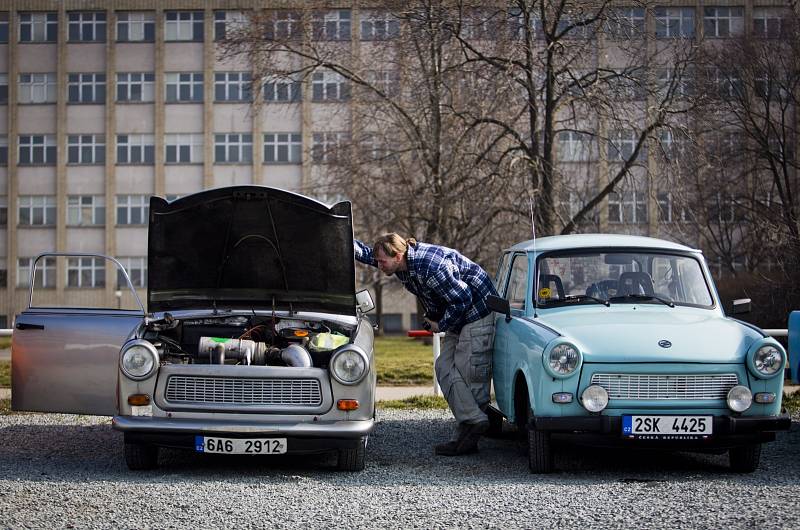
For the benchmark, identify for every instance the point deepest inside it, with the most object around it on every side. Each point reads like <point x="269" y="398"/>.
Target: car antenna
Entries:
<point x="536" y="275"/>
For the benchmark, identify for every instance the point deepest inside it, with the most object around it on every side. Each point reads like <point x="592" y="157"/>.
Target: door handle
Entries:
<point x="23" y="325"/>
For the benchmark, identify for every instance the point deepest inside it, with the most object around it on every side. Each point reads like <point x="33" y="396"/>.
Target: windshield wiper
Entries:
<point x="582" y="297"/>
<point x="639" y="296"/>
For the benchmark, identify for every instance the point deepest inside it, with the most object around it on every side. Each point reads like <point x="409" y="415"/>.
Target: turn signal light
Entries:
<point x="347" y="404"/>
<point x="138" y="400"/>
<point x="765" y="397"/>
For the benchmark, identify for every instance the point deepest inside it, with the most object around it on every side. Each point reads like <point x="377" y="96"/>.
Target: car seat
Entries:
<point x="635" y="283"/>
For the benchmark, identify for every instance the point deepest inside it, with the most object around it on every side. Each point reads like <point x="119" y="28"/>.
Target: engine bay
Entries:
<point x="246" y="340"/>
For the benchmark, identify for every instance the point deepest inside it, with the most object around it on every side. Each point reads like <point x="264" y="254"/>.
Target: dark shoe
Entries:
<point x="468" y="441"/>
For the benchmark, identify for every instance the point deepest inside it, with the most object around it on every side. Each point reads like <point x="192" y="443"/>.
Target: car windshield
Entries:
<point x="621" y="277"/>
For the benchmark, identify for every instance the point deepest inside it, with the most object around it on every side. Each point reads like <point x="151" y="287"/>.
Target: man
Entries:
<point x="453" y="291"/>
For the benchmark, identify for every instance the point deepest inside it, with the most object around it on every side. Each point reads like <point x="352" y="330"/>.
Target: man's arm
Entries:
<point x="363" y="253"/>
<point x="447" y="285"/>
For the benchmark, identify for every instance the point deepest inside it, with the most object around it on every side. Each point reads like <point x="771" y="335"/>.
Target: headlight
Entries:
<point x="739" y="398"/>
<point x="562" y="360"/>
<point x="594" y="398"/>
<point x="768" y="360"/>
<point x="349" y="365"/>
<point x="139" y="359"/>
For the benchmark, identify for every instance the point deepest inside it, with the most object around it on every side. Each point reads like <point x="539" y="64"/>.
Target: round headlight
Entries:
<point x="349" y="365"/>
<point x="768" y="360"/>
<point x="594" y="398"/>
<point x="739" y="398"/>
<point x="139" y="360"/>
<point x="564" y="359"/>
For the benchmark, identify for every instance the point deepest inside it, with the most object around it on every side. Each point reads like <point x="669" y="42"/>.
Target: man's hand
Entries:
<point x="431" y="325"/>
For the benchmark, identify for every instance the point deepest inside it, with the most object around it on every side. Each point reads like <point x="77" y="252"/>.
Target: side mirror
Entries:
<point x="741" y="306"/>
<point x="364" y="301"/>
<point x="499" y="305"/>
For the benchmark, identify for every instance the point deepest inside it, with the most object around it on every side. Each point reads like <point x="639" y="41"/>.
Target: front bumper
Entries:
<point x="728" y="431"/>
<point x="301" y="437"/>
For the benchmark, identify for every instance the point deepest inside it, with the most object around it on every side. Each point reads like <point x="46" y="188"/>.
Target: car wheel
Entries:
<point x="352" y="459"/>
<point x="540" y="451"/>
<point x="141" y="456"/>
<point x="745" y="459"/>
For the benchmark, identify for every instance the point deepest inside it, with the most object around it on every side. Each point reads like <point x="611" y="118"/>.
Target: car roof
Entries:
<point x="578" y="241"/>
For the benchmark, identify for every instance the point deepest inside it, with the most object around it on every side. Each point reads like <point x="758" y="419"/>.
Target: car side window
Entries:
<point x="518" y="282"/>
<point x="502" y="270"/>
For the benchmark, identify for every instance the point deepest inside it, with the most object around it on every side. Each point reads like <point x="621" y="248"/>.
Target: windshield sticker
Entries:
<point x="545" y="293"/>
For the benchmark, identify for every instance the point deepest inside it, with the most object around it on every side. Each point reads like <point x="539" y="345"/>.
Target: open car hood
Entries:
<point x="250" y="247"/>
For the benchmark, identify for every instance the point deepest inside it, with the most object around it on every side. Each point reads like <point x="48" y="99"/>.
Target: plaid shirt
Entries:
<point x="452" y="288"/>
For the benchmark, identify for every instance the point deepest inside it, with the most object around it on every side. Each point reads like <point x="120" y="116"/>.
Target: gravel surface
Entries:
<point x="67" y="471"/>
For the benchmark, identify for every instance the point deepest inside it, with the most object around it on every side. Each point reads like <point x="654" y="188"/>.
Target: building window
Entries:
<point x="3" y="149"/>
<point x="136" y="26"/>
<point x="669" y="211"/>
<point x="86" y="210"/>
<point x="132" y="209"/>
<point x="331" y="25"/>
<point x="135" y="86"/>
<point x="327" y="146"/>
<point x="3" y="89"/>
<point x="621" y="144"/>
<point x="184" y="87"/>
<point x="137" y="272"/>
<point x="136" y="149"/>
<point x="379" y="25"/>
<point x="233" y="148"/>
<point x="38" y="27"/>
<point x="574" y="146"/>
<point x="86" y="88"/>
<point x="3" y="27"/>
<point x="37" y="88"/>
<point x="226" y="22"/>
<point x="87" y="26"/>
<point x="36" y="210"/>
<point x="375" y="147"/>
<point x="184" y="26"/>
<point x="627" y="207"/>
<point x="628" y="85"/>
<point x="673" y="22"/>
<point x="724" y="84"/>
<point x="680" y="84"/>
<point x="722" y="208"/>
<point x="674" y="144"/>
<point x="232" y="86"/>
<point x="3" y="210"/>
<point x="387" y="81"/>
<point x="282" y="148"/>
<point x="86" y="149"/>
<point x="282" y="90"/>
<point x="183" y="148"/>
<point x="283" y="24"/>
<point x="329" y="86"/>
<point x="45" y="272"/>
<point x="625" y="23"/>
<point x="37" y="149"/>
<point x="723" y="21"/>
<point x="86" y="272"/>
<point x="770" y="22"/>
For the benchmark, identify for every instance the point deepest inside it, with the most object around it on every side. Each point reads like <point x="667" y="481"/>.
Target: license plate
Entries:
<point x="668" y="427"/>
<point x="240" y="446"/>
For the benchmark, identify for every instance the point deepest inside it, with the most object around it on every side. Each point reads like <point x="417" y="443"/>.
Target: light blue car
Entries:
<point x="622" y="340"/>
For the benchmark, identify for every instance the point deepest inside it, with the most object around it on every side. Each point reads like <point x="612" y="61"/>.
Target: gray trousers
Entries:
<point x="464" y="369"/>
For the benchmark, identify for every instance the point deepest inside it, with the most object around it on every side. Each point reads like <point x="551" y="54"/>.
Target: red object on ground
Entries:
<point x="420" y="333"/>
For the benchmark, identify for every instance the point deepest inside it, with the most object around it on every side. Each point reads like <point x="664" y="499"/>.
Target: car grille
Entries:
<point x="241" y="391"/>
<point x="635" y="386"/>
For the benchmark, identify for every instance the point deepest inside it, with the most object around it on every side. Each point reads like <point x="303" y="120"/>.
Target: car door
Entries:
<point x="64" y="358"/>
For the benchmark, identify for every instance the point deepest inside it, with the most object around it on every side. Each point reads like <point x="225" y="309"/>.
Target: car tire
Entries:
<point x="352" y="459"/>
<point x="540" y="451"/>
<point x="141" y="456"/>
<point x="745" y="459"/>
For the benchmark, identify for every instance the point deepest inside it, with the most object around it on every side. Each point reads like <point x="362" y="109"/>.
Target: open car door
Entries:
<point x="65" y="357"/>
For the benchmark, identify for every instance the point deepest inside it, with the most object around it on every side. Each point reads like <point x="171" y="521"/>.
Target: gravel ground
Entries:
<point x="67" y="471"/>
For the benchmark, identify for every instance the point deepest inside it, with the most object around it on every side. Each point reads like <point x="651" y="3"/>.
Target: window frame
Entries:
<point x="97" y="26"/>
<point x="45" y="21"/>
<point x="188" y="25"/>
<point x="47" y="145"/>
<point x="178" y="142"/>
<point x="92" y="82"/>
<point x="142" y="145"/>
<point x="194" y="85"/>
<point x="130" y="203"/>
<point x="144" y="22"/>
<point x="78" y="208"/>
<point x="29" y="82"/>
<point x="89" y="149"/>
<point x="293" y="144"/>
<point x="237" y="148"/>
<point x="33" y="204"/>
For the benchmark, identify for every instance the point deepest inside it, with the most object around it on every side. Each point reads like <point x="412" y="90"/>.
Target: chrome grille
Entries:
<point x="637" y="386"/>
<point x="242" y="391"/>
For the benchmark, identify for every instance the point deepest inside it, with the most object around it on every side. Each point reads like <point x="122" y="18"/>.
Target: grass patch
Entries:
<point x="415" y="402"/>
<point x="5" y="374"/>
<point x="5" y="342"/>
<point x="403" y="361"/>
<point x="792" y="403"/>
